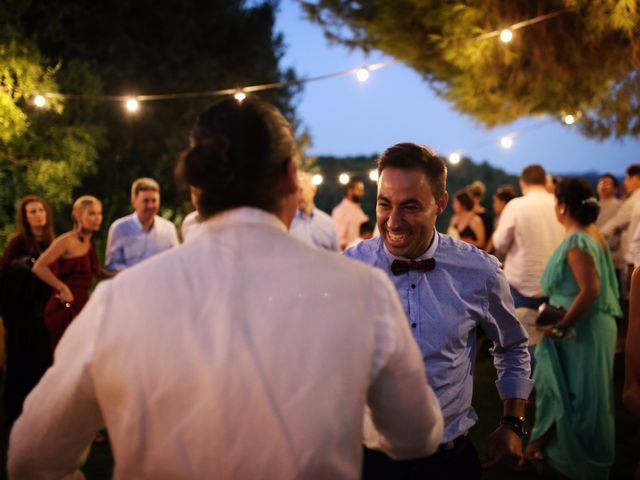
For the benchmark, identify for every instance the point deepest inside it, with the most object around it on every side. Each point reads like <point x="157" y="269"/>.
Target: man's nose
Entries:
<point x="395" y="218"/>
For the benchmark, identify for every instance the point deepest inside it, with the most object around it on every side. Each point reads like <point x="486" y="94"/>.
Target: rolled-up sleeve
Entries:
<point x="510" y="353"/>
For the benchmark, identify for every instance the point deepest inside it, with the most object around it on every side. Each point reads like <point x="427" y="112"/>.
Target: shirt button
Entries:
<point x="414" y="325"/>
<point x="413" y="285"/>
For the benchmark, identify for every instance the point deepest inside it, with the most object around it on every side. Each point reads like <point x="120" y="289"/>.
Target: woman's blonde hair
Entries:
<point x="81" y="204"/>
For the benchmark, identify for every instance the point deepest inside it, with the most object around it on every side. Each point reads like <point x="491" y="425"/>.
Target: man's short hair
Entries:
<point x="633" y="170"/>
<point x="143" y="184"/>
<point x="611" y="176"/>
<point x="411" y="156"/>
<point x="534" y="175"/>
<point x="352" y="183"/>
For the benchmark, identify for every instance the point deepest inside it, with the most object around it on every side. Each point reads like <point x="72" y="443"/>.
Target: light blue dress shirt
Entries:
<point x="466" y="289"/>
<point x="129" y="243"/>
<point x="316" y="229"/>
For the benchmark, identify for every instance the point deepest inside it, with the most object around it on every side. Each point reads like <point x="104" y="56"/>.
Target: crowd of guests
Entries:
<point x="252" y="338"/>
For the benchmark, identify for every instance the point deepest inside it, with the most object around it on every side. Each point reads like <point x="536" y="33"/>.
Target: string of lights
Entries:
<point x="362" y="73"/>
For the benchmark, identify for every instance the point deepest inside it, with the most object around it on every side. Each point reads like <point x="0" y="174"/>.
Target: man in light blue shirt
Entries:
<point x="448" y="288"/>
<point x="310" y="224"/>
<point x="143" y="233"/>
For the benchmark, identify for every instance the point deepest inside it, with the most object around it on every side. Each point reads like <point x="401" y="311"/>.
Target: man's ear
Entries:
<point x="441" y="204"/>
<point x="291" y="180"/>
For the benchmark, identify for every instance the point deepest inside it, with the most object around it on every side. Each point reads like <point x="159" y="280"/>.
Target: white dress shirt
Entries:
<point x="129" y="243"/>
<point x="316" y="229"/>
<point x="348" y="217"/>
<point x="528" y="232"/>
<point x="624" y="222"/>
<point x="243" y="354"/>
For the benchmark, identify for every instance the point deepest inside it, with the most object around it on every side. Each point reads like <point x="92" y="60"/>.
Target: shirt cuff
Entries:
<point x="514" y="388"/>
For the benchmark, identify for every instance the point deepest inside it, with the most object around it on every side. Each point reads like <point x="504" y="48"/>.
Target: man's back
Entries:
<point x="528" y="232"/>
<point x="245" y="354"/>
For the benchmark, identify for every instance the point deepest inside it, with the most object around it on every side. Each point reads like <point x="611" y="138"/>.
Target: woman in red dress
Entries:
<point x="69" y="266"/>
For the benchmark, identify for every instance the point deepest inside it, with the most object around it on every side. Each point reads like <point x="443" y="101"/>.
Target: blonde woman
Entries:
<point x="69" y="266"/>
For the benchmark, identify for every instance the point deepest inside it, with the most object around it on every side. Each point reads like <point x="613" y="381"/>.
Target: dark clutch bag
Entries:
<point x="23" y="263"/>
<point x="548" y="315"/>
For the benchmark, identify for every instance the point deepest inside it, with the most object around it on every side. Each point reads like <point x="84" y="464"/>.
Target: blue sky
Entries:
<point x="347" y="117"/>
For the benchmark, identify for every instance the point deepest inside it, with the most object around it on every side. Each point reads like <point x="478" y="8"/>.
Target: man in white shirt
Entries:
<point x="526" y="236"/>
<point x="528" y="233"/>
<point x="242" y="354"/>
<point x="310" y="224"/>
<point x="141" y="234"/>
<point x="348" y="214"/>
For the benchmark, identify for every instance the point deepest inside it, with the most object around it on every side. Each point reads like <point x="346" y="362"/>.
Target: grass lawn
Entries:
<point x="489" y="409"/>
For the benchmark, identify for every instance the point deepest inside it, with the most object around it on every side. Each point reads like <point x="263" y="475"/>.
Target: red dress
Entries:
<point x="77" y="273"/>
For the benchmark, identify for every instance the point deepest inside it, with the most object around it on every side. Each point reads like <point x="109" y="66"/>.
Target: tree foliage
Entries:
<point x="124" y="47"/>
<point x="584" y="61"/>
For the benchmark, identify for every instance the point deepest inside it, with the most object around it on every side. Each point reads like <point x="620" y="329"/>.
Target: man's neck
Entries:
<point x="533" y="188"/>
<point x="148" y="225"/>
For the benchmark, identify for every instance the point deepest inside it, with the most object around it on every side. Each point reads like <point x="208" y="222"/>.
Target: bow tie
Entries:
<point x="398" y="267"/>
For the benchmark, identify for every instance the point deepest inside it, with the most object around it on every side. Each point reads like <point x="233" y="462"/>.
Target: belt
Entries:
<point x="455" y="443"/>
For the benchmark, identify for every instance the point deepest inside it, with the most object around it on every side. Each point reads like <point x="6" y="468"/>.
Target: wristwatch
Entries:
<point x="517" y="424"/>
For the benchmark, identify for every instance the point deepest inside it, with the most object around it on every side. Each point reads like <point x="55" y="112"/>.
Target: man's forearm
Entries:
<point x="513" y="407"/>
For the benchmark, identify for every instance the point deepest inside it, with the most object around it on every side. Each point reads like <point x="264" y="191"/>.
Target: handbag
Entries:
<point x="549" y="315"/>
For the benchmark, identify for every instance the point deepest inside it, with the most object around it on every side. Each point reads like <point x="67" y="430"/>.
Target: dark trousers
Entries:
<point x="459" y="463"/>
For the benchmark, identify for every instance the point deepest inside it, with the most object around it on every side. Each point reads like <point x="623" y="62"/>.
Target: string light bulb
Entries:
<point x="317" y="179"/>
<point x="363" y="74"/>
<point x="454" y="158"/>
<point x="132" y="105"/>
<point x="373" y="175"/>
<point x="240" y="96"/>
<point x="39" y="101"/>
<point x="506" y="35"/>
<point x="569" y="119"/>
<point x="344" y="178"/>
<point x="506" y="142"/>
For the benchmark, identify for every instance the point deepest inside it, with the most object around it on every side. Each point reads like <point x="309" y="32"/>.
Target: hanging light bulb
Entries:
<point x="39" y="101"/>
<point x="569" y="119"/>
<point x="363" y="74"/>
<point x="506" y="35"/>
<point x="373" y="175"/>
<point x="240" y="96"/>
<point x="317" y="179"/>
<point x="344" y="178"/>
<point x="132" y="105"/>
<point x="454" y="158"/>
<point x="506" y="142"/>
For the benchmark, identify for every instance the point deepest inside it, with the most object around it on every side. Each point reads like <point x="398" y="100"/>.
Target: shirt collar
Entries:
<point x="429" y="253"/>
<point x="138" y="223"/>
<point x="245" y="215"/>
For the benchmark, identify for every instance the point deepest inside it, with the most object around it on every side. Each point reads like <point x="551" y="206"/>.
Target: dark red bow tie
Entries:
<point x="398" y="267"/>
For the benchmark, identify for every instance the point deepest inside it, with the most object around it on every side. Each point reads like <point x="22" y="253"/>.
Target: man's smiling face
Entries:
<point x="406" y="211"/>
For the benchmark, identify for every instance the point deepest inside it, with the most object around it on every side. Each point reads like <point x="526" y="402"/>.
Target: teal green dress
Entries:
<point x="574" y="376"/>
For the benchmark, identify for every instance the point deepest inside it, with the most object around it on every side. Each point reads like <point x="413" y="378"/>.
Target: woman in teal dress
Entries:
<point x="574" y="426"/>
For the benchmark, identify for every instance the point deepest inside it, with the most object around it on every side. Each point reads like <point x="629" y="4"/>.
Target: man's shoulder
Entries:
<point x="165" y="223"/>
<point x="123" y="223"/>
<point x="366" y="251"/>
<point x="322" y="215"/>
<point x="460" y="255"/>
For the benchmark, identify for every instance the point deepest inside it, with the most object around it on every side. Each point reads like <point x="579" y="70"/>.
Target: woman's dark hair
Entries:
<point x="23" y="229"/>
<point x="577" y="196"/>
<point x="465" y="199"/>
<point x="505" y="193"/>
<point x="239" y="151"/>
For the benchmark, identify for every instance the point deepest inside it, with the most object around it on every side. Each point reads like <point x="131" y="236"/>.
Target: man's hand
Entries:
<point x="504" y="449"/>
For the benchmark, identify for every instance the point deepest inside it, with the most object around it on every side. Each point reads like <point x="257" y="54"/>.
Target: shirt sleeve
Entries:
<point x="504" y="232"/>
<point x="403" y="418"/>
<point x="61" y="415"/>
<point x="114" y="255"/>
<point x="510" y="353"/>
<point x="634" y="241"/>
<point x="620" y="221"/>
